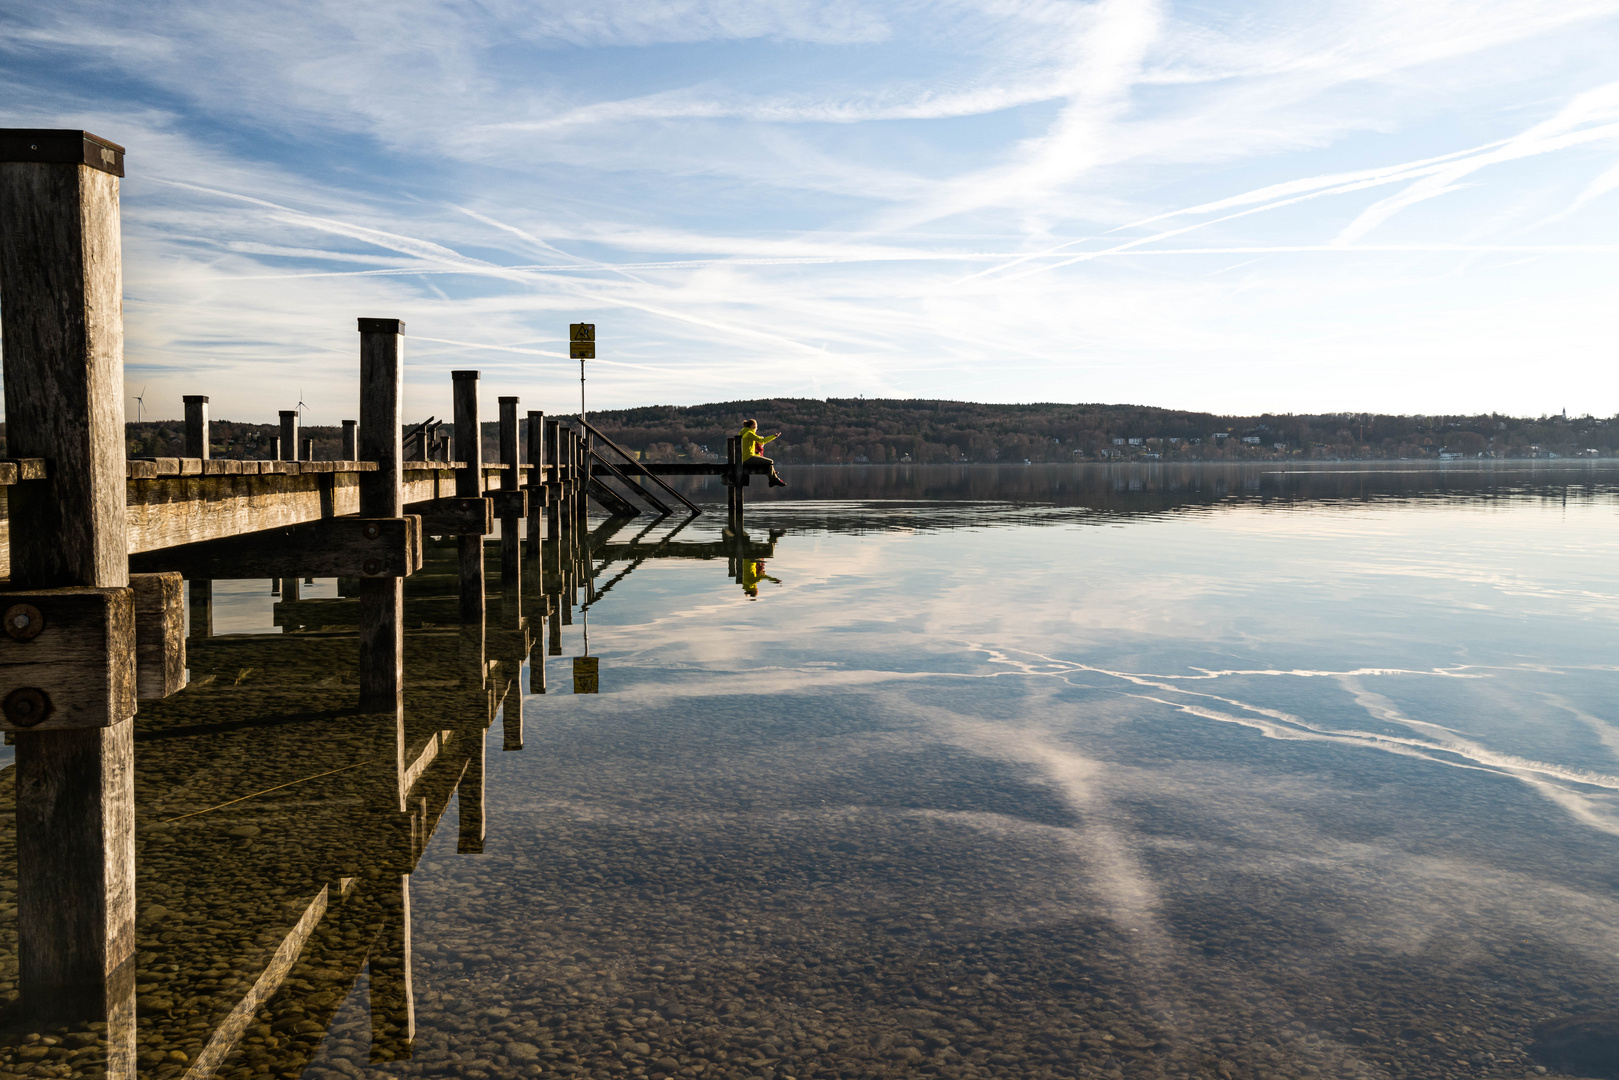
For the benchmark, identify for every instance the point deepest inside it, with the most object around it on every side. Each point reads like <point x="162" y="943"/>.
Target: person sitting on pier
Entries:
<point x="751" y="441"/>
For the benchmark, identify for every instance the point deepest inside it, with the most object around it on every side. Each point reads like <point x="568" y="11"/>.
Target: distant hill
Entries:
<point x="841" y="430"/>
<point x="892" y="430"/>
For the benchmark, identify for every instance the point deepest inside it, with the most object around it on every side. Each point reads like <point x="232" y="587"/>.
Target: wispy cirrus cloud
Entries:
<point x="1248" y="206"/>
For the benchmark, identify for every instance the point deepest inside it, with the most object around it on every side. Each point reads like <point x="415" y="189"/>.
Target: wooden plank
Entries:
<point x="20" y="469"/>
<point x="160" y="643"/>
<point x="333" y="547"/>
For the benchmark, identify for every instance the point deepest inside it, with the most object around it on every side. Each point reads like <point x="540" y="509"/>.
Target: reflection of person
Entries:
<point x="752" y="572"/>
<point x="751" y="441"/>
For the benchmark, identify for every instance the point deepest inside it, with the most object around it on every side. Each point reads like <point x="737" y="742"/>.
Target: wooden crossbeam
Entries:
<point x="334" y="547"/>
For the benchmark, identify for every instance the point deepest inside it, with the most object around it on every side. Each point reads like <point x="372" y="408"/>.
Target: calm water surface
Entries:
<point x="1041" y="772"/>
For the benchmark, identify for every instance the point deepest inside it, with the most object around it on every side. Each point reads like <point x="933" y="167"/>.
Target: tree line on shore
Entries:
<point x="878" y="430"/>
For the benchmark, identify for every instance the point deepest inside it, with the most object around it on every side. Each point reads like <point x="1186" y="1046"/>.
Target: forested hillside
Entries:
<point x="841" y="430"/>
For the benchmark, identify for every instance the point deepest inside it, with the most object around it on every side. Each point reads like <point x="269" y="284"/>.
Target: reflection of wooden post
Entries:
<point x="200" y="608"/>
<point x="350" y="445"/>
<point x="470" y="795"/>
<point x="289" y="434"/>
<point x="393" y="1000"/>
<point x="511" y="720"/>
<point x="61" y="287"/>
<point x="196" y="425"/>
<point x="511" y="543"/>
<point x="469" y="485"/>
<point x="382" y="600"/>
<point x="289" y="589"/>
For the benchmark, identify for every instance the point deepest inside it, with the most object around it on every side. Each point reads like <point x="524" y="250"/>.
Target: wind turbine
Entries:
<point x="140" y="400"/>
<point x="300" y="407"/>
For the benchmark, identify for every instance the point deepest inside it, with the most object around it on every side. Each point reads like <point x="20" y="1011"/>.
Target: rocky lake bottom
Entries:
<point x="1257" y="783"/>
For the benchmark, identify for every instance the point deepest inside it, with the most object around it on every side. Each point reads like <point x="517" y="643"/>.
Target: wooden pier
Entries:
<point x="105" y="559"/>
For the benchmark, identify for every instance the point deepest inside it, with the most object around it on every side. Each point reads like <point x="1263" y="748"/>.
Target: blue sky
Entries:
<point x="1378" y="205"/>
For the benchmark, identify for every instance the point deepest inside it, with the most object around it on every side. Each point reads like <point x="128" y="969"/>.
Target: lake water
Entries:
<point x="1018" y="772"/>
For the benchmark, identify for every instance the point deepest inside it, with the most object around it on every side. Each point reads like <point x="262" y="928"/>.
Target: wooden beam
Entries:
<point x="454" y="516"/>
<point x="351" y="445"/>
<point x="67" y="658"/>
<point x="160" y="643"/>
<point x="334" y="547"/>
<point x="61" y="295"/>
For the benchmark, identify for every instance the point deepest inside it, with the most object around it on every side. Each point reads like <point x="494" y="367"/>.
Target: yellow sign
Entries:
<point x="582" y="341"/>
<point x="585" y="675"/>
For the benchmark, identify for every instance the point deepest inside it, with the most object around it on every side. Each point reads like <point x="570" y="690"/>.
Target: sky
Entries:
<point x="1236" y="207"/>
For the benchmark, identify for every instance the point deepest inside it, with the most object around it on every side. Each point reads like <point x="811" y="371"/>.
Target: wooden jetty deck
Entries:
<point x="104" y="557"/>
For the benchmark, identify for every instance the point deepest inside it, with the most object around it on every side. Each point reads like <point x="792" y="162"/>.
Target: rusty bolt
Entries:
<point x="23" y="622"/>
<point x="373" y="566"/>
<point x="25" y="706"/>
<point x="372" y="530"/>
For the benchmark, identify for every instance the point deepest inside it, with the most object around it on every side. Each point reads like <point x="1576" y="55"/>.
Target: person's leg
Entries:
<point x="775" y="478"/>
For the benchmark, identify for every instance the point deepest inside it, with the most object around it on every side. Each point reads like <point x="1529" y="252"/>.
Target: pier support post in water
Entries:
<point x="289" y="434"/>
<point x="350" y="446"/>
<point x="469" y="485"/>
<point x="61" y="288"/>
<point x="536" y="482"/>
<point x="382" y="600"/>
<point x="200" y="607"/>
<point x="511" y="541"/>
<point x="196" y="425"/>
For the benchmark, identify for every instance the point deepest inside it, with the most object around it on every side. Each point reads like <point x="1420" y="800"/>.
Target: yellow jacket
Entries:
<point x="751" y="442"/>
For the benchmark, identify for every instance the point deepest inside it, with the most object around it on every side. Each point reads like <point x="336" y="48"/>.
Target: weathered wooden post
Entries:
<point x="350" y="446"/>
<point x="382" y="600"/>
<point x="273" y="450"/>
<point x="196" y="425"/>
<point x="289" y="434"/>
<point x="469" y="485"/>
<point x="308" y="450"/>
<point x="61" y="289"/>
<point x="511" y="544"/>
<point x="200" y="607"/>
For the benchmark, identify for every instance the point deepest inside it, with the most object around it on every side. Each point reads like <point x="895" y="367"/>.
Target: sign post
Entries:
<point x="582" y="347"/>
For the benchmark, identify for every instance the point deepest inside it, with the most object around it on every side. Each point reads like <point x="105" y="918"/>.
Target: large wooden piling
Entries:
<point x="382" y="600"/>
<point x="351" y="446"/>
<point x="61" y="289"/>
<point x="196" y="425"/>
<point x="511" y="543"/>
<point x="289" y="434"/>
<point x="469" y="485"/>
